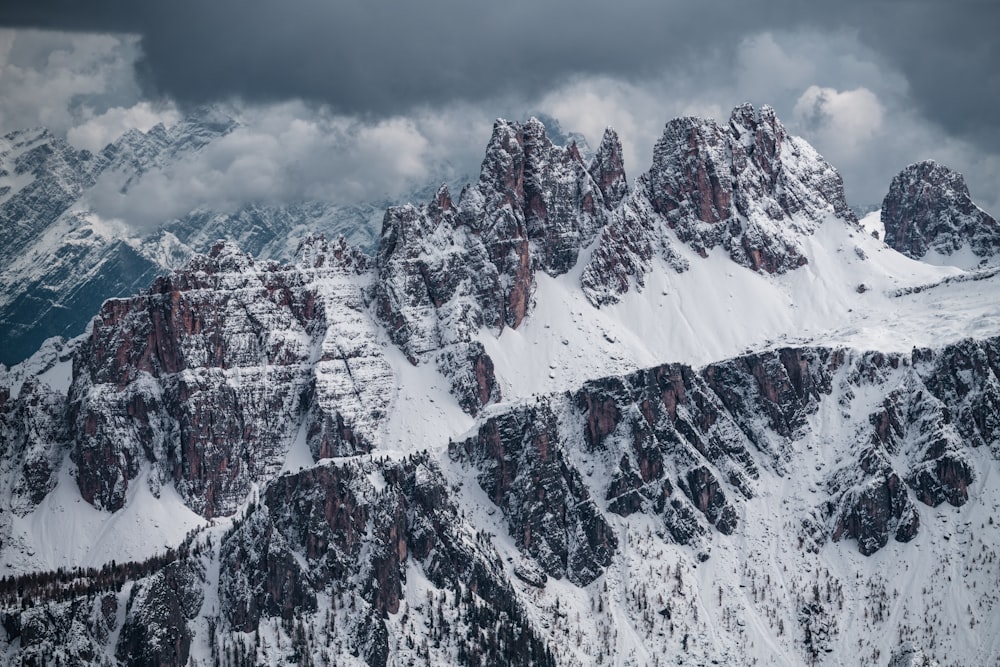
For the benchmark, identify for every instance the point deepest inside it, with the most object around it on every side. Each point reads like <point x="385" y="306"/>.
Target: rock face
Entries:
<point x="914" y="424"/>
<point x="523" y="467"/>
<point x="358" y="531"/>
<point x="656" y="432"/>
<point x="77" y="630"/>
<point x="447" y="270"/>
<point x="33" y="435"/>
<point x="156" y="630"/>
<point x="929" y="208"/>
<point x="608" y="169"/>
<point x="431" y="268"/>
<point x="707" y="433"/>
<point x="209" y="375"/>
<point x="748" y="187"/>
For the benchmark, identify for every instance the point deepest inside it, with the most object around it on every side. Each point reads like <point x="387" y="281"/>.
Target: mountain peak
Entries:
<point x="317" y="252"/>
<point x="747" y="187"/>
<point x="929" y="209"/>
<point x="608" y="169"/>
<point x="446" y="271"/>
<point x="225" y="256"/>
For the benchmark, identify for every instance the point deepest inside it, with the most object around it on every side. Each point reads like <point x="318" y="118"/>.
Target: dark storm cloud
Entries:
<point x="873" y="84"/>
<point x="375" y="55"/>
<point x="949" y="54"/>
<point x="381" y="56"/>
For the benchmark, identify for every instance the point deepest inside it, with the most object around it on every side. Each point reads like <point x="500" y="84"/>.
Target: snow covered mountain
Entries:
<point x="61" y="260"/>
<point x="556" y="420"/>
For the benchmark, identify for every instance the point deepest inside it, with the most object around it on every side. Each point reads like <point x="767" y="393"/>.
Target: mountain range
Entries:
<point x="703" y="417"/>
<point x="63" y="256"/>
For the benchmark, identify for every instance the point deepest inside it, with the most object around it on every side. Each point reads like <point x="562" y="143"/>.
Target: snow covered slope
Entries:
<point x="555" y="422"/>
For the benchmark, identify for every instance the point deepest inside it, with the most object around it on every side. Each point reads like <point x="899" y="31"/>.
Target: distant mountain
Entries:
<point x="61" y="260"/>
<point x="552" y="421"/>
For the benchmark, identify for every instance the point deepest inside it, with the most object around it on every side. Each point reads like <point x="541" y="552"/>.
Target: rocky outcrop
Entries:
<point x="965" y="379"/>
<point x="634" y="236"/>
<point x="134" y="619"/>
<point x="662" y="428"/>
<point x="156" y="630"/>
<point x="909" y="655"/>
<point x="209" y="374"/>
<point x="937" y="409"/>
<point x="352" y="531"/>
<point x="608" y="169"/>
<point x="659" y="431"/>
<point x="33" y="440"/>
<point x="74" y="631"/>
<point x="680" y="428"/>
<point x="523" y="467"/>
<point x="928" y="208"/>
<point x="748" y="187"/>
<point x="447" y="270"/>
<point x="436" y="288"/>
<point x="875" y="507"/>
<point x="532" y="192"/>
<point x="784" y="387"/>
<point x="708" y="432"/>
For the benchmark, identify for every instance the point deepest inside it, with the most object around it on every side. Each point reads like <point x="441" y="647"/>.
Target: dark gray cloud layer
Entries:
<point x="383" y="57"/>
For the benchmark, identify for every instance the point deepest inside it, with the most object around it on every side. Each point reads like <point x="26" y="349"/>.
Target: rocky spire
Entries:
<point x="608" y="169"/>
<point x="447" y="270"/>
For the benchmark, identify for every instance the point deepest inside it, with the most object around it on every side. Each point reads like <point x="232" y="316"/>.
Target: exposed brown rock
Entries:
<point x="928" y="207"/>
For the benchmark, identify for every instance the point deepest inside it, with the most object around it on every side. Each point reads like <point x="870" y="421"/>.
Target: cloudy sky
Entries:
<point x="353" y="100"/>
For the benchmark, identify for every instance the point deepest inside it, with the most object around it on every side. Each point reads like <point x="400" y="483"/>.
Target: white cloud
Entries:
<point x="766" y="66"/>
<point x="844" y="120"/>
<point x="59" y="80"/>
<point x="637" y="110"/>
<point x="284" y="153"/>
<point x="98" y="131"/>
<point x="826" y="87"/>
